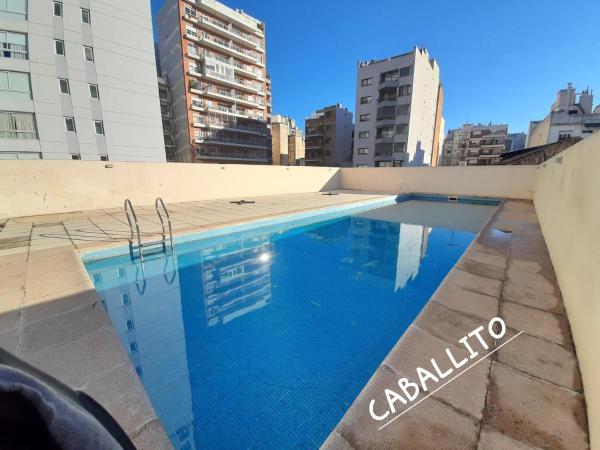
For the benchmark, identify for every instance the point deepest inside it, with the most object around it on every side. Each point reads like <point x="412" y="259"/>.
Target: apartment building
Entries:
<point x="287" y="142"/>
<point x="571" y="115"/>
<point x="399" y="102"/>
<point x="328" y="137"/>
<point x="475" y="145"/>
<point x="77" y="81"/>
<point x="214" y="58"/>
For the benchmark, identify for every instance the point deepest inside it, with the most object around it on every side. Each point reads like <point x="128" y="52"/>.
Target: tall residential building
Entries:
<point x="328" y="137"/>
<point x="214" y="58"/>
<point x="475" y="145"/>
<point x="399" y="103"/>
<point x="69" y="89"/>
<point x="288" y="142"/>
<point x="571" y="115"/>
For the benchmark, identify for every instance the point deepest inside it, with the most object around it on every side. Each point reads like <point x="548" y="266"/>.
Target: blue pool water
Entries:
<point x="264" y="338"/>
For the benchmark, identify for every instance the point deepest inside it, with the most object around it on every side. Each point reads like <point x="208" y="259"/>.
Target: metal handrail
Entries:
<point x="159" y="203"/>
<point x="129" y="207"/>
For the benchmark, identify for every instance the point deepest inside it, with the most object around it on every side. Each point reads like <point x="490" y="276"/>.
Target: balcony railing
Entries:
<point x="231" y="29"/>
<point x="210" y="138"/>
<point x="220" y="124"/>
<point x="262" y="156"/>
<point x="221" y="43"/>
<point x="240" y="82"/>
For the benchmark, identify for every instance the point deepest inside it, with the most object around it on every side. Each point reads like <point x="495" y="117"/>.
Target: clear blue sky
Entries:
<point x="500" y="61"/>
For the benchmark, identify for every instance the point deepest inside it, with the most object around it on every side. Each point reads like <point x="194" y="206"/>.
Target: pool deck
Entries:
<point x="50" y="313"/>
<point x="526" y="395"/>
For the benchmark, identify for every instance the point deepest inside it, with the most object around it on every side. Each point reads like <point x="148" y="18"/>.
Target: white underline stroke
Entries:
<point x="449" y="381"/>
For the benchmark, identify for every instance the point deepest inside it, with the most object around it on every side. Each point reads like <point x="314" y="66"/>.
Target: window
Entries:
<point x="70" y="124"/>
<point x="405" y="71"/>
<point x="103" y="157"/>
<point x="133" y="347"/>
<point x="94" y="93"/>
<point x="399" y="147"/>
<point x="384" y="149"/>
<point x="85" y="16"/>
<point x="13" y="9"/>
<point x="63" y="86"/>
<point x="363" y="151"/>
<point x="99" y="126"/>
<point x="401" y="129"/>
<point x="14" y="86"/>
<point x="365" y="100"/>
<point x="13" y="45"/>
<point x="564" y="135"/>
<point x="125" y="299"/>
<point x="76" y="157"/>
<point x="366" y="82"/>
<point x="57" y="8"/>
<point x="405" y="89"/>
<point x="363" y="134"/>
<point x="130" y="324"/>
<point x="392" y="75"/>
<point x="88" y="53"/>
<point x="191" y="31"/>
<point x="17" y="125"/>
<point x="386" y="112"/>
<point x="365" y="117"/>
<point x="402" y="110"/>
<point x="385" y="132"/>
<point x="59" y="47"/>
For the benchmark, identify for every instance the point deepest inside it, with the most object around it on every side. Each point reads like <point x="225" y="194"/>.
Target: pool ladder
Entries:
<point x="160" y="208"/>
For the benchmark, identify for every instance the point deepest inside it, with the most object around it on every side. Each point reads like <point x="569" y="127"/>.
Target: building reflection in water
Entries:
<point x="388" y="249"/>
<point x="144" y="303"/>
<point x="236" y="278"/>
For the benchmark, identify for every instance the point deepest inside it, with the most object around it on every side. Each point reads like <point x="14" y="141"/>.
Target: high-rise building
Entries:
<point x="472" y="145"/>
<point x="70" y="89"/>
<point x="399" y="103"/>
<point x="214" y="58"/>
<point x="328" y="137"/>
<point x="571" y="115"/>
<point x="287" y="142"/>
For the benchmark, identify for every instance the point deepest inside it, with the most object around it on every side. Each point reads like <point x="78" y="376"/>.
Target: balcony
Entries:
<point x="232" y="32"/>
<point x="232" y="156"/>
<point x="234" y="82"/>
<point x="232" y="141"/>
<point x="227" y="47"/>
<point x="229" y="126"/>
<point x="211" y="91"/>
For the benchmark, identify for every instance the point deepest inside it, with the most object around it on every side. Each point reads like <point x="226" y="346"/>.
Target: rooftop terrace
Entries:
<point x="535" y="265"/>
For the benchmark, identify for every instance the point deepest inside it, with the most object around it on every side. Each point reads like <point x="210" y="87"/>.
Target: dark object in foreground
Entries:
<point x="39" y="412"/>
<point x="331" y="193"/>
<point x="243" y="202"/>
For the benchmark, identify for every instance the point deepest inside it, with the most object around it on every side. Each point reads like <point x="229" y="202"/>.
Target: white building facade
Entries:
<point x="399" y="104"/>
<point x="571" y="115"/>
<point x="78" y="81"/>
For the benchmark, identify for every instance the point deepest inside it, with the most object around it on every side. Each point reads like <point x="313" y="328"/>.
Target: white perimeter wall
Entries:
<point x="45" y="187"/>
<point x="498" y="181"/>
<point x="567" y="202"/>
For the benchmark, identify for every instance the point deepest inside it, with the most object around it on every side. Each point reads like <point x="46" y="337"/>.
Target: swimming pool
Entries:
<point x="264" y="337"/>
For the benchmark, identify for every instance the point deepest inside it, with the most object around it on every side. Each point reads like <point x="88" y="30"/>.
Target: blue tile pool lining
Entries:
<point x="298" y="219"/>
